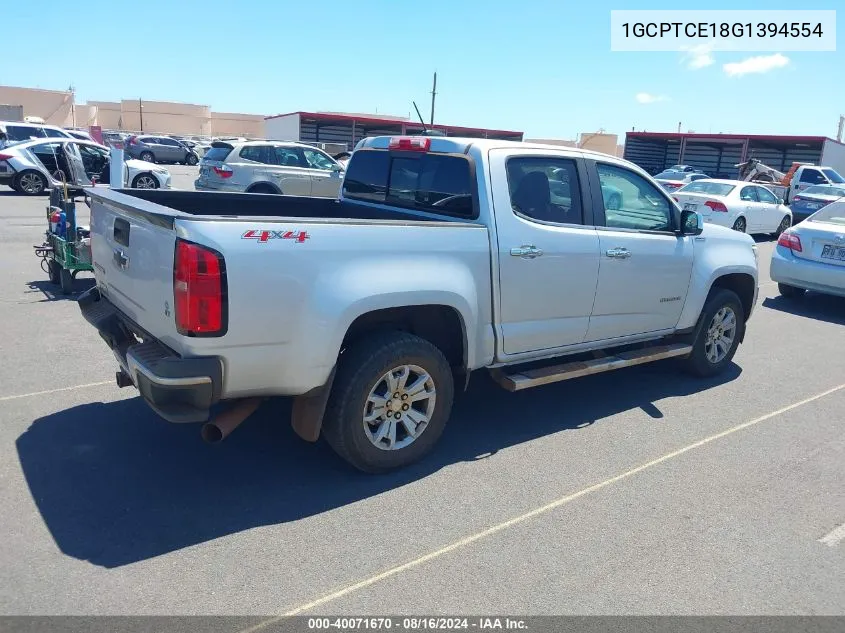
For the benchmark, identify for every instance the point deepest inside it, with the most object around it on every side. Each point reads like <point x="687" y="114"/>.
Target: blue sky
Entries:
<point x="539" y="66"/>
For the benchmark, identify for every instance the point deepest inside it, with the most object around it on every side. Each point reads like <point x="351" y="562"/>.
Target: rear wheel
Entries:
<point x="740" y="225"/>
<point x="784" y="224"/>
<point x="723" y="324"/>
<point x="148" y="157"/>
<point x="145" y="181"/>
<point x="191" y="160"/>
<point x="31" y="183"/>
<point x="790" y="292"/>
<point x="390" y="401"/>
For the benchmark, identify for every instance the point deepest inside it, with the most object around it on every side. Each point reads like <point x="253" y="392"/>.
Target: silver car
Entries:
<point x="160" y="149"/>
<point x="293" y="169"/>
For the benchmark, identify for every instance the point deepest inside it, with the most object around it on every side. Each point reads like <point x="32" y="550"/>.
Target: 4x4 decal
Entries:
<point x="265" y="236"/>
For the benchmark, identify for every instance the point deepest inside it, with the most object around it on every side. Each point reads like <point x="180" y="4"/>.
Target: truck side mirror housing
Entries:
<point x="692" y="223"/>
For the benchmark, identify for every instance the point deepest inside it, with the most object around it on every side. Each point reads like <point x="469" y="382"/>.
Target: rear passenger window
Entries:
<point x="748" y="194"/>
<point x="545" y="188"/>
<point x="285" y="157"/>
<point x="257" y="153"/>
<point x="437" y="183"/>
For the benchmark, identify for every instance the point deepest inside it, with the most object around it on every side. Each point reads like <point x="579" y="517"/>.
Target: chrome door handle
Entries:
<point x="526" y="251"/>
<point x="618" y="253"/>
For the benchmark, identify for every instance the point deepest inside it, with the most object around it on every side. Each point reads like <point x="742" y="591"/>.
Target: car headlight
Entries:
<point x="163" y="172"/>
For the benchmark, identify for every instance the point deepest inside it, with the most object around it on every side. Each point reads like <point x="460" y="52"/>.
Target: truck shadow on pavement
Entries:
<point x="52" y="292"/>
<point x="116" y="485"/>
<point x="812" y="305"/>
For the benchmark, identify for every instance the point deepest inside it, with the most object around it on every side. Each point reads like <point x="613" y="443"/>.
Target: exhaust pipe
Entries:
<point x="219" y="428"/>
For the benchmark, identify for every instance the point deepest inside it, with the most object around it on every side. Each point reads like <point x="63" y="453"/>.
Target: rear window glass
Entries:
<point x="709" y="188"/>
<point x="833" y="176"/>
<point x="833" y="213"/>
<point x="437" y="183"/>
<point x="217" y="153"/>
<point x="671" y="175"/>
<point x="823" y="190"/>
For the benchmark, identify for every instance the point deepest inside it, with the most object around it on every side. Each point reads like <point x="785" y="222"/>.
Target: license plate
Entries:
<point x="689" y="206"/>
<point x="833" y="252"/>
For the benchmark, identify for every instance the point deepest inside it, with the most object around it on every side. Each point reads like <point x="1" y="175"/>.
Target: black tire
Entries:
<point x="147" y="157"/>
<point x="53" y="272"/>
<point x="360" y="370"/>
<point x="784" y="224"/>
<point x="31" y="183"/>
<point x="740" y="225"/>
<point x="192" y="160"/>
<point x="697" y="363"/>
<point x="614" y="203"/>
<point x="66" y="281"/>
<point x="790" y="292"/>
<point x="147" y="177"/>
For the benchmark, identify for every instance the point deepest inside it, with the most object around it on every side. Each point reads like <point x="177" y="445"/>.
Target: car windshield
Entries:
<point x="825" y="190"/>
<point x="833" y="176"/>
<point x="710" y="188"/>
<point x="834" y="213"/>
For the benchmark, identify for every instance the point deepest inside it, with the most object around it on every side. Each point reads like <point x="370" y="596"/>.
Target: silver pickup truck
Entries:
<point x="442" y="256"/>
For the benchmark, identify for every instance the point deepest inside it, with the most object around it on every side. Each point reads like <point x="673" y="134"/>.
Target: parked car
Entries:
<point x="811" y="256"/>
<point x="683" y="168"/>
<point x="81" y="135"/>
<point x="32" y="167"/>
<point x="20" y="132"/>
<point x="276" y="167"/>
<point x="743" y="206"/>
<point x="812" y="199"/>
<point x="673" y="180"/>
<point x="160" y="149"/>
<point x="195" y="147"/>
<point x="441" y="257"/>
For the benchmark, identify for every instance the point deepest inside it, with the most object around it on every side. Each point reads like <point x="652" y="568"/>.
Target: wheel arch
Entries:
<point x="263" y="183"/>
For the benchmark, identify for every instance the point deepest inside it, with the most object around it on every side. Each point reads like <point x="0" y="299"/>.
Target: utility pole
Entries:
<point x="841" y="125"/>
<point x="679" y="127"/>
<point x="433" y="95"/>
<point x="141" y="113"/>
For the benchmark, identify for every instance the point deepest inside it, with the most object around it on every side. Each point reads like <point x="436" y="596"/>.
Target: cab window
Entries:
<point x="545" y="188"/>
<point x="632" y="202"/>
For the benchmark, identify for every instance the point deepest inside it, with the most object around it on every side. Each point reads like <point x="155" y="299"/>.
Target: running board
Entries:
<point x="545" y="375"/>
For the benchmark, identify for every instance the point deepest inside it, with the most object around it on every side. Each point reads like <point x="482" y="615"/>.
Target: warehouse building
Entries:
<point x="716" y="154"/>
<point x="346" y="129"/>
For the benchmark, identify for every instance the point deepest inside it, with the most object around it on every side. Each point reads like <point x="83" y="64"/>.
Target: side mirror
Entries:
<point x="692" y="223"/>
<point x="780" y="200"/>
<point x="337" y="168"/>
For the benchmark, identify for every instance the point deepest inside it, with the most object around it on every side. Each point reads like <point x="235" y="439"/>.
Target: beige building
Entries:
<point x="162" y="117"/>
<point x="594" y="141"/>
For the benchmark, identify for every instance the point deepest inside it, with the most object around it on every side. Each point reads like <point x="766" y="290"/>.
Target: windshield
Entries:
<point x="825" y="190"/>
<point x="710" y="188"/>
<point x="833" y="176"/>
<point x="834" y="213"/>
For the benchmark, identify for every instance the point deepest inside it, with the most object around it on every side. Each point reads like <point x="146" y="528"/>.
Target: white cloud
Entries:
<point x="698" y="57"/>
<point x="759" y="64"/>
<point x="644" y="97"/>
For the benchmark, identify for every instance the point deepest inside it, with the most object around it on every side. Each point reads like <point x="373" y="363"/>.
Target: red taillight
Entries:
<point x="797" y="198"/>
<point x="674" y="185"/>
<point x="224" y="171"/>
<point x="5" y="156"/>
<point x="410" y="143"/>
<point x="717" y="206"/>
<point x="791" y="241"/>
<point x="199" y="290"/>
<point x="132" y="140"/>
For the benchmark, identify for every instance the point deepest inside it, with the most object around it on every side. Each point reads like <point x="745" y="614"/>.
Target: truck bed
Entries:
<point x="260" y="205"/>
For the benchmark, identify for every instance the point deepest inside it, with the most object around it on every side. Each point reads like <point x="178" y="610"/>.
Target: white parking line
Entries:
<point x="48" y="391"/>
<point x="832" y="539"/>
<point x="362" y="584"/>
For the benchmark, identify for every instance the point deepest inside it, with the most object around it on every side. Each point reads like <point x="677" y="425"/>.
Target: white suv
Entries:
<point x="20" y="132"/>
<point x="293" y="169"/>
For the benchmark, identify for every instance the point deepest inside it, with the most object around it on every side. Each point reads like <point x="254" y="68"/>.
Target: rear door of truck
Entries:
<point x="132" y="247"/>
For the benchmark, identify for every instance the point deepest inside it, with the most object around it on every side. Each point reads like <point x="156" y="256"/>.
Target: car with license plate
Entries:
<point x="814" y="198"/>
<point x="273" y="167"/>
<point x="811" y="255"/>
<point x="743" y="206"/>
<point x="32" y="167"/>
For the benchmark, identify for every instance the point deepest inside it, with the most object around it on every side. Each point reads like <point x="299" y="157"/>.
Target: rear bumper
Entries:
<point x="178" y="389"/>
<point x="809" y="275"/>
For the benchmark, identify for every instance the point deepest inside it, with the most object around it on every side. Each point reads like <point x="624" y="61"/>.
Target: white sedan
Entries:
<point x="743" y="206"/>
<point x="811" y="255"/>
<point x="34" y="166"/>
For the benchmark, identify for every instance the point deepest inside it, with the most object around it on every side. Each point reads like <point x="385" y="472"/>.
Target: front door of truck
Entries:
<point x="548" y="249"/>
<point x="645" y="267"/>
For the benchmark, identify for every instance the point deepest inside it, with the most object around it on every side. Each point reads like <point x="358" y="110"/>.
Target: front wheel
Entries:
<point x="145" y="181"/>
<point x="740" y="225"/>
<point x="723" y="325"/>
<point x="389" y="403"/>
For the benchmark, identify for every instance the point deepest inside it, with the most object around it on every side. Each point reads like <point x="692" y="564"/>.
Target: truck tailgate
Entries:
<point x="132" y="247"/>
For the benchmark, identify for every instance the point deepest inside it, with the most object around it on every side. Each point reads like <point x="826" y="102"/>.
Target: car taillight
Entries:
<point x="410" y="143"/>
<point x="224" y="171"/>
<point x="132" y="140"/>
<point x="717" y="206"/>
<point x="791" y="241"/>
<point x="797" y="198"/>
<point x="5" y="156"/>
<point x="199" y="290"/>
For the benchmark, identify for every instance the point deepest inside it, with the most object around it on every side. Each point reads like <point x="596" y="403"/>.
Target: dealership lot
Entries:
<point x="638" y="491"/>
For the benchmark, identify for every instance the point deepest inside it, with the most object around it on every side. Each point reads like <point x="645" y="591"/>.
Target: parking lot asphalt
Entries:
<point x="638" y="491"/>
